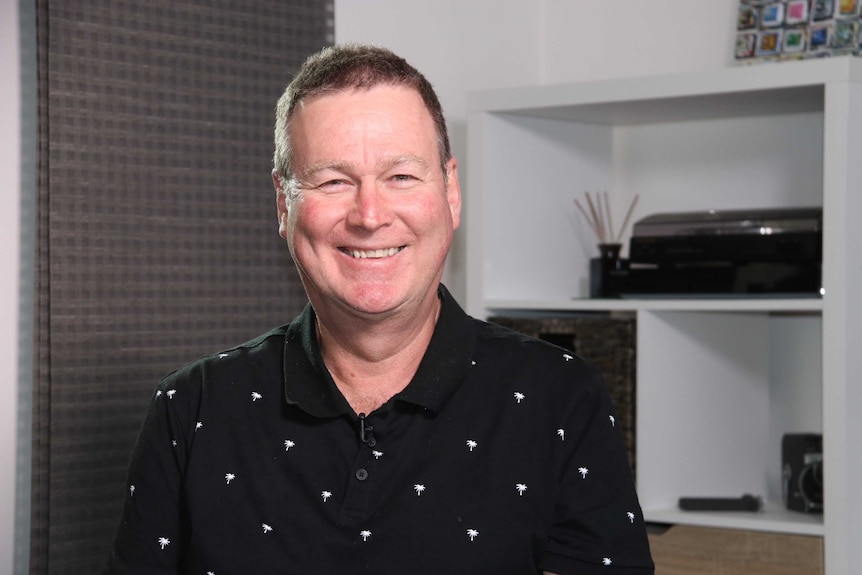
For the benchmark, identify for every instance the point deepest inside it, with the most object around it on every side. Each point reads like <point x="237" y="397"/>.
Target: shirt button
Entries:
<point x="361" y="474"/>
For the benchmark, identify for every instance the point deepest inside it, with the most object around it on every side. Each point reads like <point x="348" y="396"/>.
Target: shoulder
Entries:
<point x="503" y="345"/>
<point x="260" y="354"/>
<point x="555" y="379"/>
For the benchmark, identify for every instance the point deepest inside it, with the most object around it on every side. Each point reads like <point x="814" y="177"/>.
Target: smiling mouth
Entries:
<point x="372" y="254"/>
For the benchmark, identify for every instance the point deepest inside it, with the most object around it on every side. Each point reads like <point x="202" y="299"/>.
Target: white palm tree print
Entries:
<point x="519" y="396"/>
<point x="131" y="490"/>
<point x="613" y="420"/>
<point x="288" y="444"/>
<point x="325" y="495"/>
<point x="606" y="561"/>
<point x="631" y="517"/>
<point x="158" y="392"/>
<point x="471" y="444"/>
<point x="365" y="534"/>
<point x="418" y="488"/>
<point x="583" y="471"/>
<point x="229" y="477"/>
<point x="562" y="433"/>
<point x="266" y="528"/>
<point x="222" y="355"/>
<point x="198" y="425"/>
<point x="568" y="357"/>
<point x="377" y="454"/>
<point x="521" y="487"/>
<point x="472" y="534"/>
<point x="255" y="396"/>
<point x="170" y="393"/>
<point x="164" y="542"/>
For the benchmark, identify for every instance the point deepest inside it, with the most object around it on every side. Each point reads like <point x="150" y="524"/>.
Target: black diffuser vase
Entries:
<point x="606" y="271"/>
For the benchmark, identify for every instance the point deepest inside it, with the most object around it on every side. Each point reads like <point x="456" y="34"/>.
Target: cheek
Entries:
<point x="310" y="221"/>
<point x="433" y="216"/>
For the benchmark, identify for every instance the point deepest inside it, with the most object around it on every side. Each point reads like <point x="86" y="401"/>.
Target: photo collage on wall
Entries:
<point x="774" y="30"/>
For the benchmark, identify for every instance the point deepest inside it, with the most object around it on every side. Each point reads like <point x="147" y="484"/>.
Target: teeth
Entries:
<point x="374" y="253"/>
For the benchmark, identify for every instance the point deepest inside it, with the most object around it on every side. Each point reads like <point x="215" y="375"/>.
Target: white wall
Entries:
<point x="468" y="45"/>
<point x="10" y="199"/>
<point x="596" y="39"/>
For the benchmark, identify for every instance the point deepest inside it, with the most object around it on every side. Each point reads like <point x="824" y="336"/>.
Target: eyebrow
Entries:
<point x="400" y="160"/>
<point x="385" y="164"/>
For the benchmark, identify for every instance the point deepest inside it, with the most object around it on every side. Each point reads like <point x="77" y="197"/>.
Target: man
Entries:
<point x="384" y="430"/>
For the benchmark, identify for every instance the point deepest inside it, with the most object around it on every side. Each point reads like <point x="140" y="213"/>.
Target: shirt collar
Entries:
<point x="308" y="385"/>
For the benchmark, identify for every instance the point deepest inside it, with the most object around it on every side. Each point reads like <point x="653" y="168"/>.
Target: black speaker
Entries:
<point x="802" y="474"/>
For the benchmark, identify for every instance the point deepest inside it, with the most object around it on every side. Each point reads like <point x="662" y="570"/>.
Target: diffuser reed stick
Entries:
<point x="600" y="219"/>
<point x="626" y="219"/>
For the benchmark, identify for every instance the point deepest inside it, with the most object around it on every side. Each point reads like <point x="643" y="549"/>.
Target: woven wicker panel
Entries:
<point x="158" y="232"/>
<point x="607" y="343"/>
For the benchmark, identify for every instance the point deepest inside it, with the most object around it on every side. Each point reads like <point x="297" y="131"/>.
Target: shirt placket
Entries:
<point x="363" y="473"/>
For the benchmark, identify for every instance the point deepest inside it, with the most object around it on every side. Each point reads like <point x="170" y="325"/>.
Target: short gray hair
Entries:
<point x="356" y="66"/>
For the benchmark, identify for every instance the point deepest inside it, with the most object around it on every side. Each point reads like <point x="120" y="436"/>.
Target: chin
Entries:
<point x="384" y="297"/>
<point x="375" y="302"/>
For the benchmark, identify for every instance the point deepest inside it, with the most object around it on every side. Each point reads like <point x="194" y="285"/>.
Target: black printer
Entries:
<point x="746" y="253"/>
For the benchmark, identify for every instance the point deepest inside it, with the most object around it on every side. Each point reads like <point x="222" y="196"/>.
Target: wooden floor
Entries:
<point x="688" y="550"/>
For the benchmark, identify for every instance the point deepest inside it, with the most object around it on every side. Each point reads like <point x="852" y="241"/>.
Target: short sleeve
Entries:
<point x="598" y="524"/>
<point x="150" y="536"/>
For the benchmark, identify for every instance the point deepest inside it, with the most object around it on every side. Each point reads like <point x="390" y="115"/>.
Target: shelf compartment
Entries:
<point x="536" y="246"/>
<point x="716" y="392"/>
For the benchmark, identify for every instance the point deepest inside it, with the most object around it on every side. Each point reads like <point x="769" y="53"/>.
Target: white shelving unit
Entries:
<point x="719" y="380"/>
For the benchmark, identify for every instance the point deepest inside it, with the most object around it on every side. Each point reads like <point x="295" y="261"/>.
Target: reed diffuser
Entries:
<point x="609" y="264"/>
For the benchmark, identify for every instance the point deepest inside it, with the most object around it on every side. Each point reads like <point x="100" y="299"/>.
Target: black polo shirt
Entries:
<point x="500" y="456"/>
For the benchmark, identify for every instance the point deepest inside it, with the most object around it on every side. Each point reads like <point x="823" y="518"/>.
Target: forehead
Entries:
<point x="384" y="115"/>
<point x="357" y="96"/>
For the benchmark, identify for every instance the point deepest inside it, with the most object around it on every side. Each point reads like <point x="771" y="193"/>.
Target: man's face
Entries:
<point x="377" y="212"/>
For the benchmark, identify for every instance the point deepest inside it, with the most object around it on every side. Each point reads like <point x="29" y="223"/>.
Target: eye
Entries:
<point x="333" y="185"/>
<point x="403" y="181"/>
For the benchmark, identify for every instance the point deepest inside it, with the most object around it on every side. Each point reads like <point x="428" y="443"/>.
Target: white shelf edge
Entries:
<point x="772" y="521"/>
<point x="764" y="305"/>
<point x="624" y="91"/>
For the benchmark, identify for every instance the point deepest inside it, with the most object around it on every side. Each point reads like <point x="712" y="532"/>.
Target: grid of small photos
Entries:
<point x="769" y="30"/>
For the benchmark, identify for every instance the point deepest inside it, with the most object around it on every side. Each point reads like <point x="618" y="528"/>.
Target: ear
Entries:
<point x="281" y="202"/>
<point x="453" y="192"/>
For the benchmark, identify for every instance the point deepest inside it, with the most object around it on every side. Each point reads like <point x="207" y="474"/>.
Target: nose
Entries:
<point x="370" y="207"/>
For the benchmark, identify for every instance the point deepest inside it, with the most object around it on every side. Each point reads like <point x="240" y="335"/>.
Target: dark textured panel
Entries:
<point x="158" y="232"/>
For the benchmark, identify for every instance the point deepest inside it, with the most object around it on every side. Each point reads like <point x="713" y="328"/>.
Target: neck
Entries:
<point x="370" y="361"/>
